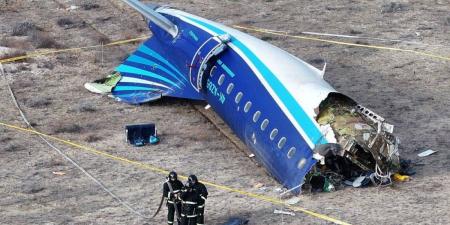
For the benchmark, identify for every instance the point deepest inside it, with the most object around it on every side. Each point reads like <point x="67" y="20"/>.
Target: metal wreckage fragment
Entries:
<point x="364" y="144"/>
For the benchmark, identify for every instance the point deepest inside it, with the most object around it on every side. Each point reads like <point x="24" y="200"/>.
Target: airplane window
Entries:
<point x="273" y="134"/>
<point x="221" y="79"/>
<point x="238" y="97"/>
<point x="301" y="163"/>
<point x="291" y="152"/>
<point x="213" y="69"/>
<point x="247" y="106"/>
<point x="256" y="116"/>
<point x="230" y="88"/>
<point x="264" y="124"/>
<point x="281" y="142"/>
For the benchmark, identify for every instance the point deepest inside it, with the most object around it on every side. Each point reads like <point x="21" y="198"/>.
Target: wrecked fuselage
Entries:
<point x="363" y="141"/>
<point x="278" y="105"/>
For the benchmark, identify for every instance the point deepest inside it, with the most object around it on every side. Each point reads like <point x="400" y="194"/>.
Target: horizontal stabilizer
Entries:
<point x="148" y="75"/>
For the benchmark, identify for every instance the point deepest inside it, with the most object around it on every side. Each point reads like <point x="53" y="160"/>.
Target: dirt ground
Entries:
<point x="410" y="91"/>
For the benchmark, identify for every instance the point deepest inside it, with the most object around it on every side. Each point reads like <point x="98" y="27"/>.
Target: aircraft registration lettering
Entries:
<point x="193" y="35"/>
<point x="212" y="88"/>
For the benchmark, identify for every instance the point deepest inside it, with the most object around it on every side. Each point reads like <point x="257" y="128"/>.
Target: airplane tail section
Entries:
<point x="148" y="74"/>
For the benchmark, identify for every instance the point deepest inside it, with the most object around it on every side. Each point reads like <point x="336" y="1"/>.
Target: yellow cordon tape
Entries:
<point x="285" y="34"/>
<point x="255" y="29"/>
<point x="35" y="54"/>
<point x="165" y="172"/>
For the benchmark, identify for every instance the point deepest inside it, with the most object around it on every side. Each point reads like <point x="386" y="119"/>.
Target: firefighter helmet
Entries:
<point x="173" y="176"/>
<point x="192" y="180"/>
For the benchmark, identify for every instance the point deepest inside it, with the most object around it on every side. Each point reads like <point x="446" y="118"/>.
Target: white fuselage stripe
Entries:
<point x="141" y="81"/>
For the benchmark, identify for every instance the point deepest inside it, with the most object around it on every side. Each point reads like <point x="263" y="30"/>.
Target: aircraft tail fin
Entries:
<point x="149" y="12"/>
<point x="148" y="74"/>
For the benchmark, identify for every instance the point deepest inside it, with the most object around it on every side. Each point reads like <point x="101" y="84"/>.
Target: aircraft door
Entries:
<point x="210" y="48"/>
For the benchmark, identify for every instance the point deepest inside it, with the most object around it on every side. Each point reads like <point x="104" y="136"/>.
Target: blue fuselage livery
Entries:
<point x="268" y="97"/>
<point x="277" y="104"/>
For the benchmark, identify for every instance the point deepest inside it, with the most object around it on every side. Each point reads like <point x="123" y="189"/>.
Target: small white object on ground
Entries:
<point x="426" y="153"/>
<point x="258" y="185"/>
<point x="251" y="155"/>
<point x="59" y="173"/>
<point x="72" y="7"/>
<point x="277" y="211"/>
<point x="278" y="190"/>
<point x="293" y="201"/>
<point x="349" y="183"/>
<point x="208" y="106"/>
<point x="357" y="182"/>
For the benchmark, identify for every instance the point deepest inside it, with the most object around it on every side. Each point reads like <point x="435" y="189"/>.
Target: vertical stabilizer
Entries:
<point x="153" y="16"/>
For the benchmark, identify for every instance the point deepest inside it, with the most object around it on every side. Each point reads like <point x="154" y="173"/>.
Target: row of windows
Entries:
<point x="265" y="122"/>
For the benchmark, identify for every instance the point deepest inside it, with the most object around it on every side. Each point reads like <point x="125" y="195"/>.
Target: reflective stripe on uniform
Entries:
<point x="201" y="206"/>
<point x="189" y="216"/>
<point x="200" y="224"/>
<point x="189" y="203"/>
<point x="203" y="197"/>
<point x="170" y="202"/>
<point x="170" y="222"/>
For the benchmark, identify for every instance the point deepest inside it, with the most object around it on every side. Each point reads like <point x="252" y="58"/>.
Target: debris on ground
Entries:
<point x="360" y="181"/>
<point x="263" y="188"/>
<point x="293" y="200"/>
<point x="406" y="167"/>
<point x="426" y="153"/>
<point x="141" y="134"/>
<point x="278" y="190"/>
<point x="258" y="185"/>
<point x="400" y="178"/>
<point x="278" y="211"/>
<point x="320" y="183"/>
<point x="72" y="7"/>
<point x="59" y="173"/>
<point x="154" y="140"/>
<point x="104" y="85"/>
<point x="236" y="221"/>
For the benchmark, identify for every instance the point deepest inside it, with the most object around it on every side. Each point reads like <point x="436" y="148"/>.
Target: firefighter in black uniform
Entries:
<point x="202" y="194"/>
<point x="172" y="198"/>
<point x="189" y="203"/>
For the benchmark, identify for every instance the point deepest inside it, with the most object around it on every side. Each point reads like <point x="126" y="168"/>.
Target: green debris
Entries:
<point x="328" y="186"/>
<point x="105" y="85"/>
